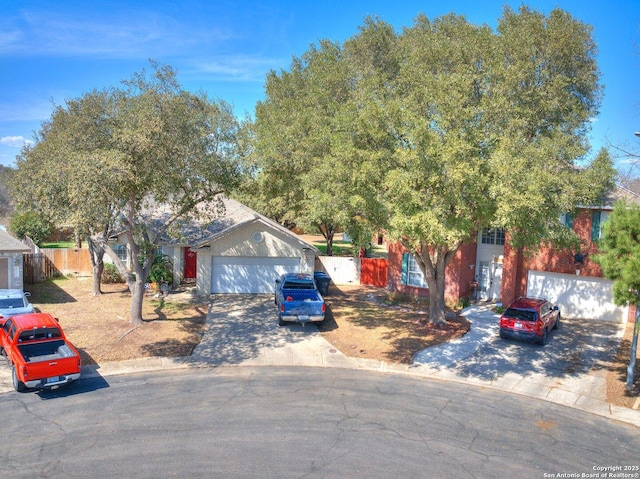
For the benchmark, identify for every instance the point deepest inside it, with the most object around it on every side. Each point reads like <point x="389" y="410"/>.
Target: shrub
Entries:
<point x="161" y="270"/>
<point x="110" y="274"/>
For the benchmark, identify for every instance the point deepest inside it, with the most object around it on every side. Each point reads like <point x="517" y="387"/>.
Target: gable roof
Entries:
<point x="617" y="193"/>
<point x="237" y="216"/>
<point x="10" y="244"/>
<point x="199" y="232"/>
<point x="621" y="192"/>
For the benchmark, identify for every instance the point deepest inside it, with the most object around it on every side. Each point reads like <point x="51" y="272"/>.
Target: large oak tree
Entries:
<point x="439" y="131"/>
<point x="104" y="162"/>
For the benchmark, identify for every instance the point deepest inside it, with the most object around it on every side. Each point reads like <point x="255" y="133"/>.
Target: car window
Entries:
<point x="10" y="303"/>
<point x="520" y="314"/>
<point x="7" y="326"/>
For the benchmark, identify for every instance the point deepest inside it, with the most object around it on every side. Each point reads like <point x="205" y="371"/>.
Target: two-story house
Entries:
<point x="491" y="269"/>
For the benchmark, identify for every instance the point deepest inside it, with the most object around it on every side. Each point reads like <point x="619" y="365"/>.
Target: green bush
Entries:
<point x="110" y="274"/>
<point x="161" y="270"/>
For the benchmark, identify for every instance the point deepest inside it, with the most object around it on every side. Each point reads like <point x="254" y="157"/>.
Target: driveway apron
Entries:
<point x="243" y="329"/>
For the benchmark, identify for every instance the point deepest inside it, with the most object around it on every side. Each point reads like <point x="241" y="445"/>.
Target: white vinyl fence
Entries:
<point x="342" y="269"/>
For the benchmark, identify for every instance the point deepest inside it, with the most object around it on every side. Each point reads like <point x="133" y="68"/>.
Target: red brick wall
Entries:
<point x="515" y="267"/>
<point x="517" y="264"/>
<point x="458" y="276"/>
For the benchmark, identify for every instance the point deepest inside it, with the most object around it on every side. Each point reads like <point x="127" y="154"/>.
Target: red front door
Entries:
<point x="190" y="263"/>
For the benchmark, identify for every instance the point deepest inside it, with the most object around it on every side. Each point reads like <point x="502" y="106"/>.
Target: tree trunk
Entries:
<point x="328" y="232"/>
<point x="97" y="270"/>
<point x="433" y="263"/>
<point x="330" y="246"/>
<point x="437" y="311"/>
<point x="137" y="297"/>
<point x="96" y="254"/>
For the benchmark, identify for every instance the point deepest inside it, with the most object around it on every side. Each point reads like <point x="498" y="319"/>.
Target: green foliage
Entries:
<point x="32" y="224"/>
<point x="110" y="274"/>
<point x="435" y="132"/>
<point x="110" y="158"/>
<point x="161" y="270"/>
<point x="620" y="252"/>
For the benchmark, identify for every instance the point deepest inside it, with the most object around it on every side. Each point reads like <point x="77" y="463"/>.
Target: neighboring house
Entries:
<point x="490" y="269"/>
<point x="11" y="261"/>
<point x="241" y="251"/>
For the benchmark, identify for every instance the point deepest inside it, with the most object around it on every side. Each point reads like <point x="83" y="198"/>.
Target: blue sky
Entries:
<point x="53" y="51"/>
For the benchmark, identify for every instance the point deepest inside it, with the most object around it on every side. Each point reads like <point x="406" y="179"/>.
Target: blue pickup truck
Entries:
<point x="298" y="299"/>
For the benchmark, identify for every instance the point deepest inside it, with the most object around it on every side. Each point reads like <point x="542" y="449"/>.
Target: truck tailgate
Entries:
<point x="52" y="369"/>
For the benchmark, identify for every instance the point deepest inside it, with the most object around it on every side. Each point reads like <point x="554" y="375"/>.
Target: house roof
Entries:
<point x="238" y="215"/>
<point x="9" y="244"/>
<point x="621" y="192"/>
<point x="214" y="222"/>
<point x="617" y="193"/>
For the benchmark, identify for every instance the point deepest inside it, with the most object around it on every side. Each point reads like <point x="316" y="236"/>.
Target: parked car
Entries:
<point x="14" y="301"/>
<point x="529" y="319"/>
<point x="298" y="299"/>
<point x="39" y="354"/>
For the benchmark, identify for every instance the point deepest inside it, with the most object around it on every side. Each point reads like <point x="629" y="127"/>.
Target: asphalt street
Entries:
<point x="292" y="422"/>
<point x="242" y="332"/>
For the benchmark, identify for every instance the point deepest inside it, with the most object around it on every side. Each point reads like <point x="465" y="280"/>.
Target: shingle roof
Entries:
<point x="210" y="223"/>
<point x="10" y="244"/>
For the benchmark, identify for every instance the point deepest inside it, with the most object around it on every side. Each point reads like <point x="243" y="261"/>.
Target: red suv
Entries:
<point x="529" y="319"/>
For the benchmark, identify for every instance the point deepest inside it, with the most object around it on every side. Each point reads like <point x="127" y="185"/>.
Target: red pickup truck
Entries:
<point x="38" y="352"/>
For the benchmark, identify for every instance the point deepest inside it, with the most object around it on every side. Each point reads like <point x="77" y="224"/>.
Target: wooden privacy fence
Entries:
<point x="50" y="262"/>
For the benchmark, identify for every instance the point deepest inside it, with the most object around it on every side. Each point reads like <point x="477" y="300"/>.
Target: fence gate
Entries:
<point x="342" y="269"/>
<point x="374" y="271"/>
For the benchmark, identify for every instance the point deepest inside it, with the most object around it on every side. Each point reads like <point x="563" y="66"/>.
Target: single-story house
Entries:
<point x="11" y="261"/>
<point x="240" y="251"/>
<point x="491" y="269"/>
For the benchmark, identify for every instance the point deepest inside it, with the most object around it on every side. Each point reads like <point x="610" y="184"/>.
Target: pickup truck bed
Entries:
<point x="45" y="351"/>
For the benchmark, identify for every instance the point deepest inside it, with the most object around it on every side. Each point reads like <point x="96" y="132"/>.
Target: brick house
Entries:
<point x="490" y="269"/>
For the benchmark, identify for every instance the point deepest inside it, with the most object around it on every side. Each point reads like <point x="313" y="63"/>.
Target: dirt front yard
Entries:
<point x="363" y="322"/>
<point x="99" y="325"/>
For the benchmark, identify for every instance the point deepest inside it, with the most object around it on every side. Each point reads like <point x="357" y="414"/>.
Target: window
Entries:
<point x="598" y="218"/>
<point x="567" y="220"/>
<point x="493" y="236"/>
<point x="121" y="251"/>
<point x="411" y="274"/>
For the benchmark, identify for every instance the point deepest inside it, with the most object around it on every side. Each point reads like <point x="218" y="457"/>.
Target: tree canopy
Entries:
<point x="436" y="132"/>
<point x="620" y="261"/>
<point x="105" y="161"/>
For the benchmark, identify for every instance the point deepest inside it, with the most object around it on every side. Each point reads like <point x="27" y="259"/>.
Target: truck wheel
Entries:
<point x="280" y="321"/>
<point x="17" y="384"/>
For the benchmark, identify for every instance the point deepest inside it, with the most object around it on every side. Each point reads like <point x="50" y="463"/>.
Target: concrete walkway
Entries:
<point x="241" y="334"/>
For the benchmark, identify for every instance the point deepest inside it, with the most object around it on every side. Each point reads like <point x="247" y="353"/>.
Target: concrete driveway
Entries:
<point x="575" y="358"/>
<point x="243" y="330"/>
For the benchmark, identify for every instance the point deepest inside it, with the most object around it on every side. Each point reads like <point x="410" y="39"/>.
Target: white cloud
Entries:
<point x="14" y="141"/>
<point x="121" y="33"/>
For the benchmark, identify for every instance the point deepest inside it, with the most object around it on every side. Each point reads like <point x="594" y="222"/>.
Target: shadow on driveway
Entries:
<point x="240" y="327"/>
<point x="578" y="347"/>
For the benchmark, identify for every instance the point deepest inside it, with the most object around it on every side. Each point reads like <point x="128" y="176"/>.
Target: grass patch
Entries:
<point x="59" y="244"/>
